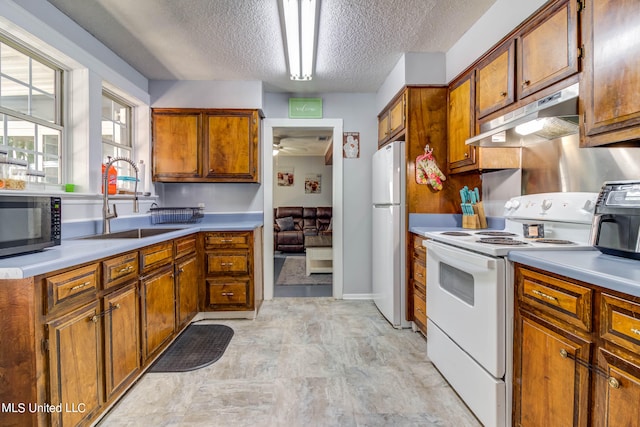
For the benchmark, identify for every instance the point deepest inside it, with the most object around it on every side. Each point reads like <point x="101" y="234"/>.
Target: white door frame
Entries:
<point x="267" y="183"/>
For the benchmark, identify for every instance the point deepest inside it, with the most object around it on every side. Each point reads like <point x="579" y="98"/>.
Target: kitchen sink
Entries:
<point x="137" y="233"/>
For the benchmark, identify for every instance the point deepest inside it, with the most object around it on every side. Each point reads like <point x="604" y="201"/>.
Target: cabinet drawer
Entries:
<point x="228" y="263"/>
<point x="156" y="256"/>
<point x="561" y="299"/>
<point x="419" y="272"/>
<point x="185" y="246"/>
<point x="419" y="250"/>
<point x="419" y="307"/>
<point x="227" y="240"/>
<point x="72" y="286"/>
<point x="621" y="322"/>
<point x="119" y="269"/>
<point x="230" y="291"/>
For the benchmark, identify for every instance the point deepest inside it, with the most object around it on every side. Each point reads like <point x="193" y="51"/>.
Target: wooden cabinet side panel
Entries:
<point x="177" y="148"/>
<point x="18" y="368"/>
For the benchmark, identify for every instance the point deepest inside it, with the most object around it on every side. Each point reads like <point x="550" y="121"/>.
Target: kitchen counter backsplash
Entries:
<point x="421" y="223"/>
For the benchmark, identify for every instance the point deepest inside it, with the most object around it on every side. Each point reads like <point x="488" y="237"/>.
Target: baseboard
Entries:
<point x="357" y="296"/>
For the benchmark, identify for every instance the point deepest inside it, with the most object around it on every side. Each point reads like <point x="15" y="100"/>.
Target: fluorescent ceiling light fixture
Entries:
<point x="530" y="127"/>
<point x="300" y="18"/>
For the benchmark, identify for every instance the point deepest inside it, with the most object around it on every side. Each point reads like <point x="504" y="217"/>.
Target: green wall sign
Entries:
<point x="305" y="108"/>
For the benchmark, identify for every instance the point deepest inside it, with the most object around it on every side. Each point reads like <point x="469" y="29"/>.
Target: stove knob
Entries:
<point x="508" y="205"/>
<point x="546" y="204"/>
<point x="515" y="204"/>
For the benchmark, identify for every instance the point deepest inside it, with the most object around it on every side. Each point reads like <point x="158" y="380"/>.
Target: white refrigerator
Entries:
<point x="388" y="243"/>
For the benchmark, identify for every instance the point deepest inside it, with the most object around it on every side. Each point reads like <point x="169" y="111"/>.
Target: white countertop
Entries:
<point x="76" y="251"/>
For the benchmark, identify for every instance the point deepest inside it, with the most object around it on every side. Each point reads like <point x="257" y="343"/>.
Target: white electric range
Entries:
<point x="470" y="293"/>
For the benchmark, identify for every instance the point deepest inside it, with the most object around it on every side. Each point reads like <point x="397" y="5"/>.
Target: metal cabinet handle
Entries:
<point x="526" y="83"/>
<point x="635" y="331"/>
<point x="95" y="317"/>
<point x="80" y="286"/>
<point x="125" y="269"/>
<point x="503" y="94"/>
<point x="227" y="294"/>
<point x="543" y="295"/>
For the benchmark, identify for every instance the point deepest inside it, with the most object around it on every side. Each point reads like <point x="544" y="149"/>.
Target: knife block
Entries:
<point x="477" y="220"/>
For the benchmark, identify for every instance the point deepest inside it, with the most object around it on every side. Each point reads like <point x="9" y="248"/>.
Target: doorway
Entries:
<point x="273" y="127"/>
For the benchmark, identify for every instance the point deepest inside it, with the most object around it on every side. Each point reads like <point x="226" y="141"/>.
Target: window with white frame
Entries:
<point x="31" y="109"/>
<point x="116" y="131"/>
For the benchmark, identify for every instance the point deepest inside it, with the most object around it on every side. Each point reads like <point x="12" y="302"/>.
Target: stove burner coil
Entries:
<point x="496" y="233"/>
<point x="506" y="241"/>
<point x="455" y="233"/>
<point x="555" y="241"/>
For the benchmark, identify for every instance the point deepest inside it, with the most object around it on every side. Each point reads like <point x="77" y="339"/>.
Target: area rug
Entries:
<point x="197" y="347"/>
<point x="294" y="273"/>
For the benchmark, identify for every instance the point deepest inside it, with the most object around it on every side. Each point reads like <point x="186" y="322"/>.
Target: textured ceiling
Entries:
<point x="359" y="41"/>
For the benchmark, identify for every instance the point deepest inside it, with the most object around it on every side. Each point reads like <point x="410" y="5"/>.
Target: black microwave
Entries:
<point x="29" y="223"/>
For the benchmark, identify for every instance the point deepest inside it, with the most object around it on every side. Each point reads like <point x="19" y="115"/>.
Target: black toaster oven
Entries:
<point x="616" y="221"/>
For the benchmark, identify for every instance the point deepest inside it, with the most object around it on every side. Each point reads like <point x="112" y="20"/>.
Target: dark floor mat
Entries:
<point x="197" y="347"/>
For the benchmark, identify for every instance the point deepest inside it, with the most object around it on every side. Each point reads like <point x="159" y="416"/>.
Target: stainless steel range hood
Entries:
<point x="551" y="117"/>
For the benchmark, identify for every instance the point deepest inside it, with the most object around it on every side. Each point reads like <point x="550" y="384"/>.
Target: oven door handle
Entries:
<point x="459" y="258"/>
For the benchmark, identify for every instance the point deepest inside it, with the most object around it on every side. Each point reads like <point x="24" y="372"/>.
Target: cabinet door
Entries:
<point x="232" y="146"/>
<point x="121" y="338"/>
<point x="461" y="123"/>
<point x="74" y="365"/>
<point x="550" y="387"/>
<point x="397" y="115"/>
<point x="177" y="147"/>
<point x="383" y="128"/>
<point x="611" y="105"/>
<point x="187" y="289"/>
<point x="617" y="391"/>
<point x="158" y="310"/>
<point x="494" y="81"/>
<point x="548" y="51"/>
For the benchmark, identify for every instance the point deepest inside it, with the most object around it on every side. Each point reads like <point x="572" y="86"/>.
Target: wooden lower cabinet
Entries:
<point x="187" y="281"/>
<point x="75" y="372"/>
<point x="121" y="338"/>
<point x="550" y="387"/>
<point x="418" y="283"/>
<point x="233" y="271"/>
<point x="158" y="310"/>
<point x="576" y="356"/>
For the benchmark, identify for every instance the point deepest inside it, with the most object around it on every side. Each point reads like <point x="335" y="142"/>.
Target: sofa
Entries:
<point x="292" y="223"/>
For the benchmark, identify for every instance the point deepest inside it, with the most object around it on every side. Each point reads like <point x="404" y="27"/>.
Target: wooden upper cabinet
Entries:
<point x="494" y="80"/>
<point x="392" y="120"/>
<point x="177" y="146"/>
<point x="609" y="89"/>
<point x="206" y="145"/>
<point x="461" y="123"/>
<point x="232" y="145"/>
<point x="547" y="49"/>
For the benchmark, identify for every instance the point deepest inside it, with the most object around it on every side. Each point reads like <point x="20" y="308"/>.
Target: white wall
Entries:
<point x="295" y="195"/>
<point x="497" y="22"/>
<point x="205" y="94"/>
<point x="359" y="114"/>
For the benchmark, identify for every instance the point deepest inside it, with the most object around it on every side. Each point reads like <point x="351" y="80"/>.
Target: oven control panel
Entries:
<point x="568" y="207"/>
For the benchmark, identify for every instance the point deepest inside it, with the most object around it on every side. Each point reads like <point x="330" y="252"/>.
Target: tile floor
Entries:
<point x="303" y="362"/>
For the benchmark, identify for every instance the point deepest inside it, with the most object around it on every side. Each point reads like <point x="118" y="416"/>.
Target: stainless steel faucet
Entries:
<point x="107" y="215"/>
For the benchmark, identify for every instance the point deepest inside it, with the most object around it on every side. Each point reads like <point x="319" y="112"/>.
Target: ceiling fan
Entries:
<point x="300" y="146"/>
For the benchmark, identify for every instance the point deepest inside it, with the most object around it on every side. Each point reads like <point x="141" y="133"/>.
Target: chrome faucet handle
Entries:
<point x="114" y="214"/>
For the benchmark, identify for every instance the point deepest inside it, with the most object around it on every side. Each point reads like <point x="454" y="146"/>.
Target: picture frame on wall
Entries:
<point x="313" y="184"/>
<point x="351" y="145"/>
<point x="285" y="177"/>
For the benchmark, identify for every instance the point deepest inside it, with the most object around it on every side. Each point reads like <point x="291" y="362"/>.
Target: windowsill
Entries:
<point x="74" y="195"/>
